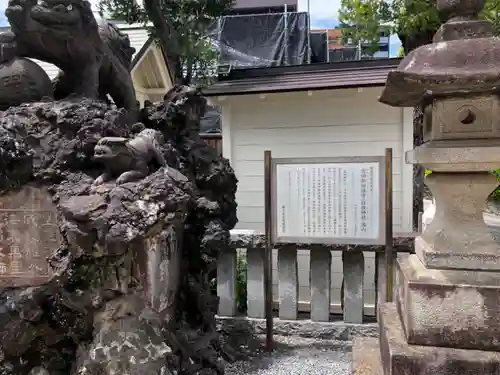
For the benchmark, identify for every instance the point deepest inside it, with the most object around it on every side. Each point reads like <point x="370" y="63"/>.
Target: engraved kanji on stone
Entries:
<point x="28" y="235"/>
<point x="30" y="218"/>
<point x="13" y="219"/>
<point x="49" y="218"/>
<point x="15" y="266"/>
<point x="35" y="249"/>
<point x="35" y="269"/>
<point x="4" y="268"/>
<point x="15" y="252"/>
<point x="12" y="80"/>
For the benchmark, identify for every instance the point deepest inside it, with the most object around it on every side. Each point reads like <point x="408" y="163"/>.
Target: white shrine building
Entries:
<point x="320" y="111"/>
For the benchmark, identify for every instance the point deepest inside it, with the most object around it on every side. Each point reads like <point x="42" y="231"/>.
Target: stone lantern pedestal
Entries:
<point x="445" y="317"/>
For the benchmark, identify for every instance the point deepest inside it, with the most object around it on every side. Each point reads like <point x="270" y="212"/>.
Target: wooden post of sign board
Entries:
<point x="389" y="256"/>
<point x="268" y="269"/>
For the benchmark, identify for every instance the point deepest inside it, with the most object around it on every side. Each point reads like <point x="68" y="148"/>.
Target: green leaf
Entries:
<point x="190" y="18"/>
<point x="361" y="21"/>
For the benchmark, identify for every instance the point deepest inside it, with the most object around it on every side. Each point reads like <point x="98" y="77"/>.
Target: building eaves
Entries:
<point x="138" y="54"/>
<point x="366" y="73"/>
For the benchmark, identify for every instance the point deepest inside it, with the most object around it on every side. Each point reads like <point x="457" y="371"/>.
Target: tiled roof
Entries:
<point x="304" y="78"/>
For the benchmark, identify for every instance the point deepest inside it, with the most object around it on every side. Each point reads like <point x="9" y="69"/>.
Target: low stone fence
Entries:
<point x="287" y="302"/>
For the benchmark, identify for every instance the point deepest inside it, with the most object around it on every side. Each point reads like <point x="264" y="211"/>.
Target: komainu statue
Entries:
<point x="93" y="55"/>
<point x="128" y="160"/>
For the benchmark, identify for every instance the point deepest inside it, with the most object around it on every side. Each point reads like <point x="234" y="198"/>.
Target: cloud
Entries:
<point x="324" y="13"/>
<point x="322" y="9"/>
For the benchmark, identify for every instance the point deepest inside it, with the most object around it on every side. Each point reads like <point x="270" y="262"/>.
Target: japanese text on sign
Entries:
<point x="328" y="200"/>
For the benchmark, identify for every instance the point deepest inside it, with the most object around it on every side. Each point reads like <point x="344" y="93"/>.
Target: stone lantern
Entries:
<point x="445" y="317"/>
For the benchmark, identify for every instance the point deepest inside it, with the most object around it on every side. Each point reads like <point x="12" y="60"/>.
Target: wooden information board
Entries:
<point x="328" y="200"/>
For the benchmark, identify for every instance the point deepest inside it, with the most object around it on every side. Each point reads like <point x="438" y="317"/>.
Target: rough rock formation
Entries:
<point x="130" y="292"/>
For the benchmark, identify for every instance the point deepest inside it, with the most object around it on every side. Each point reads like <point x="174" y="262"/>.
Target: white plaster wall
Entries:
<point x="348" y="122"/>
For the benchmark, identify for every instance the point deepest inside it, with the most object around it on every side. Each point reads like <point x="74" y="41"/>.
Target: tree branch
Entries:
<point x="167" y="36"/>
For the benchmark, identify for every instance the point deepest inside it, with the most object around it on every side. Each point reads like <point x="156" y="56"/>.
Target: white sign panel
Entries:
<point x="341" y="202"/>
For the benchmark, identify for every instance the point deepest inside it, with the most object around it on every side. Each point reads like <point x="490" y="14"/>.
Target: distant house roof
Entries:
<point x="333" y="34"/>
<point x="346" y="74"/>
<point x="139" y="39"/>
<point x="334" y="37"/>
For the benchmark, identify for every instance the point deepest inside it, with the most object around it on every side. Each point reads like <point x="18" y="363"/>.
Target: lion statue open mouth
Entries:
<point x="94" y="56"/>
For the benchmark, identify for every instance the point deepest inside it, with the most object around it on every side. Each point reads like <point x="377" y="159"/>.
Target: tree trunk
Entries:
<point x="167" y="37"/>
<point x="189" y="72"/>
<point x="410" y="43"/>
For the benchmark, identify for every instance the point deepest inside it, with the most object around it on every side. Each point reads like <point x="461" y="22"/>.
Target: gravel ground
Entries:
<point x="294" y="356"/>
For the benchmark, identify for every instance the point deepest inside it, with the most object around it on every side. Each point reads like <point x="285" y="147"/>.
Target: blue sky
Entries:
<point x="324" y="14"/>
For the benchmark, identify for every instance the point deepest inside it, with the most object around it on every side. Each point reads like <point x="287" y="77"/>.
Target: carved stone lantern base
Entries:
<point x="424" y="333"/>
<point x="458" y="238"/>
<point x="392" y="355"/>
<point x="444" y="319"/>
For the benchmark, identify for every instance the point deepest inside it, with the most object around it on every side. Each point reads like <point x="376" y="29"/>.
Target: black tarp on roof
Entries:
<point x="262" y="40"/>
<point x="319" y="47"/>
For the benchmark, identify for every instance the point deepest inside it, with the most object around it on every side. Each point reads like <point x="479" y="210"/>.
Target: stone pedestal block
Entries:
<point x="400" y="358"/>
<point x="288" y="282"/>
<point x="448" y="308"/>
<point x="255" y="282"/>
<point x="157" y="265"/>
<point x="354" y="271"/>
<point x="458" y="156"/>
<point x="226" y="282"/>
<point x="320" y="281"/>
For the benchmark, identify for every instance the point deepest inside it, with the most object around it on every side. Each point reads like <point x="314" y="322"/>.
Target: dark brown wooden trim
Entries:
<point x="312" y="77"/>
